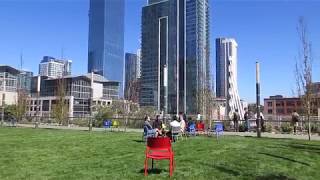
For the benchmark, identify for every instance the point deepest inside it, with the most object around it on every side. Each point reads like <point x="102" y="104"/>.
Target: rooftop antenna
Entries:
<point x="62" y="53"/>
<point x="21" y="60"/>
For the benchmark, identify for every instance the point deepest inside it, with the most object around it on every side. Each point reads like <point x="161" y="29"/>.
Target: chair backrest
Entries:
<point x="192" y="127"/>
<point x="115" y="123"/>
<point x="200" y="126"/>
<point x="175" y="130"/>
<point x="159" y="143"/>
<point x="218" y="127"/>
<point x="106" y="123"/>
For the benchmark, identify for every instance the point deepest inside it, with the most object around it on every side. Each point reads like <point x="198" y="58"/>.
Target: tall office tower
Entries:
<point x="138" y="63"/>
<point x="175" y="64"/>
<point x="106" y="39"/>
<point x="24" y="80"/>
<point x="52" y="67"/>
<point x="131" y="75"/>
<point x="226" y="77"/>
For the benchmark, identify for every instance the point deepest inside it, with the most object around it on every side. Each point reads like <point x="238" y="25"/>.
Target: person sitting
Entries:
<point x="157" y="124"/>
<point x="182" y="123"/>
<point x="149" y="127"/>
<point x="174" y="123"/>
<point x="175" y="128"/>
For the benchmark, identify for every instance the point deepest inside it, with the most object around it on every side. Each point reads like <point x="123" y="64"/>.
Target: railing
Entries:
<point x="271" y="125"/>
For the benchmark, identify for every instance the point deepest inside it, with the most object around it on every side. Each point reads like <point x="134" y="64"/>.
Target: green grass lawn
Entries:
<point x="57" y="154"/>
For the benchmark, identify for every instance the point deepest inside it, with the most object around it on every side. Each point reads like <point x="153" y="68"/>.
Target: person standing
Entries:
<point x="294" y="121"/>
<point x="236" y="118"/>
<point x="246" y="118"/>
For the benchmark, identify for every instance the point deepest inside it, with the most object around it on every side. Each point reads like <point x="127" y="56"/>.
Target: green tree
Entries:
<point x="101" y="114"/>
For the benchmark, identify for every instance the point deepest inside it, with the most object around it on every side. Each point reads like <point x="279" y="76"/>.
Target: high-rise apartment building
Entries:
<point x="52" y="67"/>
<point x="106" y="39"/>
<point x="226" y="74"/>
<point x="175" y="64"/>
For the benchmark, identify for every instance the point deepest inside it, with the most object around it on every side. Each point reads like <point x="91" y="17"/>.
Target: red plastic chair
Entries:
<point x="159" y="149"/>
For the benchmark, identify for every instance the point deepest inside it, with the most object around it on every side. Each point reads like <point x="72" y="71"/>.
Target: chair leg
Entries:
<point x="170" y="167"/>
<point x="146" y="167"/>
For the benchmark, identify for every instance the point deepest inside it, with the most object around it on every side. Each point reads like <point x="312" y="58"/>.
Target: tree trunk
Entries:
<point x="309" y="128"/>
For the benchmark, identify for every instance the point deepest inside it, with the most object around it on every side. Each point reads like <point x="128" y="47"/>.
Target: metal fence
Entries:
<point x="280" y="124"/>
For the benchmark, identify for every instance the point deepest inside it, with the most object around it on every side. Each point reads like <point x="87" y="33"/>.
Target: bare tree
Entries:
<point x="133" y="91"/>
<point x="205" y="103"/>
<point x="60" y="109"/>
<point x="303" y="72"/>
<point x="21" y="105"/>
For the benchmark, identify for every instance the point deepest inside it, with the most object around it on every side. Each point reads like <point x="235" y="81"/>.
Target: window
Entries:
<point x="269" y="111"/>
<point x="269" y="104"/>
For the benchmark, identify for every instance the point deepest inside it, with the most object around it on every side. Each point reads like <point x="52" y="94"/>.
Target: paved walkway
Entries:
<point x="244" y="134"/>
<point x="274" y="135"/>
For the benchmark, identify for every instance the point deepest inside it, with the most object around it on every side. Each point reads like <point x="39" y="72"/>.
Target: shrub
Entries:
<point x="226" y="125"/>
<point x="269" y="128"/>
<point x="315" y="128"/>
<point x="286" y="128"/>
<point x="242" y="127"/>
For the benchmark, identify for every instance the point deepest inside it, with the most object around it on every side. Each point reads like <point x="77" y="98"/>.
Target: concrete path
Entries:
<point x="274" y="135"/>
<point x="247" y="134"/>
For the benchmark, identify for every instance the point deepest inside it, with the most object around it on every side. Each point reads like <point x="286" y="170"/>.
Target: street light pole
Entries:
<point x="258" y="99"/>
<point x="3" y="105"/>
<point x="91" y="103"/>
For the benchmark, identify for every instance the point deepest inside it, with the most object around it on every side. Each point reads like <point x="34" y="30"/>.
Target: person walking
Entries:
<point x="294" y="121"/>
<point x="236" y="118"/>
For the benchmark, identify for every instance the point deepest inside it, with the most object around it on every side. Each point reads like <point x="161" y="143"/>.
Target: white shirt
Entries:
<point x="174" y="124"/>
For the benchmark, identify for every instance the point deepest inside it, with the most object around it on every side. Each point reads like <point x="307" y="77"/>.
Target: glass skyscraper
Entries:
<point x="106" y="39"/>
<point x="175" y="65"/>
<point x="131" y="73"/>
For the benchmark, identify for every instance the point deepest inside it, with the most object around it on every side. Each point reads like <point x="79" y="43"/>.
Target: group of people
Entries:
<point x="236" y="119"/>
<point x="160" y="129"/>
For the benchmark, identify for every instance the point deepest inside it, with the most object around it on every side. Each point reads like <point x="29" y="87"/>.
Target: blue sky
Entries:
<point x="265" y="30"/>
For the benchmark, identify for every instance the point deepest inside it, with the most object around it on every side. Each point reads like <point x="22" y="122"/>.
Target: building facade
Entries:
<point x="25" y="79"/>
<point x="52" y="67"/>
<point x="80" y="91"/>
<point x="106" y="39"/>
<point x="8" y="85"/>
<point x="11" y="81"/>
<point x="284" y="106"/>
<point x="226" y="74"/>
<point x="175" y="64"/>
<point x="131" y="73"/>
<point x="279" y="105"/>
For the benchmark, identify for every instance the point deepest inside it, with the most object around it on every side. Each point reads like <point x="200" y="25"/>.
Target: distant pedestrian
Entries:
<point x="198" y="117"/>
<point x="261" y="120"/>
<point x="246" y="118"/>
<point x="294" y="121"/>
<point x="236" y="118"/>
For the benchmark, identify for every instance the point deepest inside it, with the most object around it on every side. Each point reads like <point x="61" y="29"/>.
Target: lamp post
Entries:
<point x="38" y="102"/>
<point x="258" y="99"/>
<point x="3" y="98"/>
<point x="3" y="104"/>
<point x="91" y="103"/>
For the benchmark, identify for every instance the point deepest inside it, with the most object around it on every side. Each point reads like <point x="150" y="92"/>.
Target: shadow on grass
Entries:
<point x="223" y="169"/>
<point x="138" y="141"/>
<point x="285" y="158"/>
<point x="274" y="177"/>
<point x="310" y="147"/>
<point x="152" y="171"/>
<point x="227" y="170"/>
